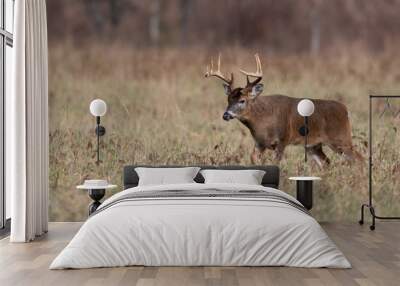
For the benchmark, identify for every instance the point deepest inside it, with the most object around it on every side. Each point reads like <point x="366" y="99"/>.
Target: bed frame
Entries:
<point x="270" y="179"/>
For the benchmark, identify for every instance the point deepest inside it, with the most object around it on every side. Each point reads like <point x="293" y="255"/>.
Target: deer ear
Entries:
<point x="256" y="90"/>
<point x="227" y="88"/>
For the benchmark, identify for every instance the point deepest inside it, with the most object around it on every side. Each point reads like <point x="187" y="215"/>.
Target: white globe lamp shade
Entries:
<point x="98" y="107"/>
<point x="305" y="107"/>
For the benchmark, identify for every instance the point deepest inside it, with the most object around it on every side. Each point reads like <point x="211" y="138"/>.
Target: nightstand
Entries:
<point x="304" y="190"/>
<point x="96" y="193"/>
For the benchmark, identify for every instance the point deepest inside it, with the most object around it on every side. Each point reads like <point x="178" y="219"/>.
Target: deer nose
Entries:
<point x="226" y="116"/>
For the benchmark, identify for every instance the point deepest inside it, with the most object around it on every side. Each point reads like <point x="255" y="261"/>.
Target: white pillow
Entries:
<point x="162" y="176"/>
<point x="248" y="177"/>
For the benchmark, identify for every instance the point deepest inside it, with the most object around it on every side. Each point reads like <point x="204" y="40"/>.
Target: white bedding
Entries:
<point x="200" y="231"/>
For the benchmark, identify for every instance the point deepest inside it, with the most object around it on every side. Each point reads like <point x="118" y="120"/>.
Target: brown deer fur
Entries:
<point x="274" y="122"/>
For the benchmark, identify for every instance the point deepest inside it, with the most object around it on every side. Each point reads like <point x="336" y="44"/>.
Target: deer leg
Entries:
<point x="256" y="155"/>
<point x="318" y="155"/>
<point x="279" y="150"/>
<point x="348" y="152"/>
<point x="352" y="155"/>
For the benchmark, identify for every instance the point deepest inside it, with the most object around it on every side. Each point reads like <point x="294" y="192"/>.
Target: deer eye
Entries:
<point x="241" y="101"/>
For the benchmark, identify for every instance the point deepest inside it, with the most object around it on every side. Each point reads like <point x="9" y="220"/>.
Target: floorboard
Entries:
<point x="375" y="257"/>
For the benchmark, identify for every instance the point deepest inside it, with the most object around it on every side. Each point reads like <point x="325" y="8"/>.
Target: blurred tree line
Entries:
<point x="280" y="26"/>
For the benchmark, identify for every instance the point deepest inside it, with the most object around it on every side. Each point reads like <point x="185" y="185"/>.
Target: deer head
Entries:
<point x="240" y="98"/>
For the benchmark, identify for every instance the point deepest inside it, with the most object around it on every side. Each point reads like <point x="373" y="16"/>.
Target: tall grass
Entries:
<point x="163" y="111"/>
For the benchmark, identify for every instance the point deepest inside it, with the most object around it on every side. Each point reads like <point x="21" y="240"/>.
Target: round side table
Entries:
<point x="304" y="190"/>
<point x="96" y="193"/>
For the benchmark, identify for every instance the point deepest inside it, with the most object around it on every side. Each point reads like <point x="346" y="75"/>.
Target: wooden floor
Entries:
<point x="375" y="257"/>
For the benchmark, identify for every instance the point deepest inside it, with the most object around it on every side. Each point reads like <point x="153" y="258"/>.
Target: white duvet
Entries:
<point x="200" y="231"/>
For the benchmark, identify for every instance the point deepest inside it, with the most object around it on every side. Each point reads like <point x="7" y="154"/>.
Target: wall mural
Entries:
<point x="148" y="65"/>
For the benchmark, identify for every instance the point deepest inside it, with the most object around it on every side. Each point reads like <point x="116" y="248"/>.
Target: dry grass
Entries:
<point x="163" y="111"/>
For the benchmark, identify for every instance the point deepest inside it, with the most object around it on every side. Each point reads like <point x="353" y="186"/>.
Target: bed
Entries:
<point x="199" y="224"/>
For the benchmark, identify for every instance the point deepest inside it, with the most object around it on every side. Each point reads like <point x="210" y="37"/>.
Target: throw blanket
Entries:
<point x="206" y="193"/>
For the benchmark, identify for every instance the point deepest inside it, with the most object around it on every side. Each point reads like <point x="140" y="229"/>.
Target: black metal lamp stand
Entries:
<point x="96" y="195"/>
<point x="370" y="164"/>
<point x="100" y="131"/>
<point x="304" y="193"/>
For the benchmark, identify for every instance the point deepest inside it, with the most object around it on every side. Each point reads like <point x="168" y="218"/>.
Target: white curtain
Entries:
<point x="27" y="124"/>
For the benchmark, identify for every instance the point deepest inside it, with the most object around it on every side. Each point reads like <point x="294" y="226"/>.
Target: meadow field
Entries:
<point x="161" y="110"/>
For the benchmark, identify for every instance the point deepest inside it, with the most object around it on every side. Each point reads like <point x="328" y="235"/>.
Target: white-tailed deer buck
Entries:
<point x="274" y="123"/>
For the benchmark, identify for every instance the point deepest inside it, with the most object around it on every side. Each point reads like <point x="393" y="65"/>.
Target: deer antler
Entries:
<point x="218" y="73"/>
<point x="258" y="74"/>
